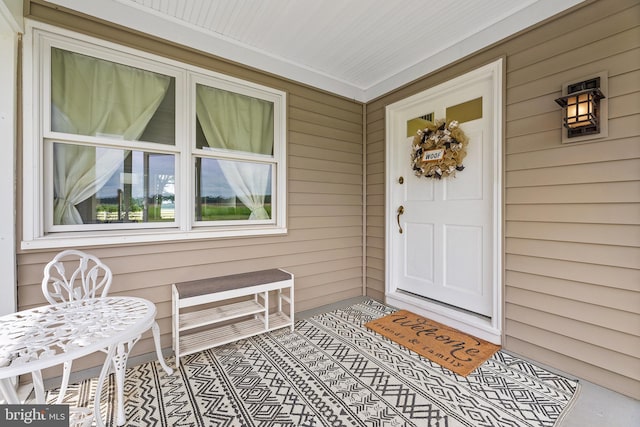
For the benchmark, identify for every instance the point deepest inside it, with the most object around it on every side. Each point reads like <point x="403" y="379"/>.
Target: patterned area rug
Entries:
<point x="332" y="371"/>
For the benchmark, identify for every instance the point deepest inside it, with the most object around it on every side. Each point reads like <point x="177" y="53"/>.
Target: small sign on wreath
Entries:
<point x="439" y="149"/>
<point x="433" y="155"/>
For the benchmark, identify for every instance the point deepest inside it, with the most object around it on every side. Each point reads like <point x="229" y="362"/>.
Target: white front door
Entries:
<point x="443" y="234"/>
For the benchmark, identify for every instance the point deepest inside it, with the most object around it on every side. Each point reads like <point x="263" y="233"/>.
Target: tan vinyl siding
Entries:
<point x="323" y="247"/>
<point x="572" y="281"/>
<point x="572" y="211"/>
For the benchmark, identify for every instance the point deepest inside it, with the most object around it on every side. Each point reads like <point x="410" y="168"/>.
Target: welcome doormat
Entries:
<point x="448" y="347"/>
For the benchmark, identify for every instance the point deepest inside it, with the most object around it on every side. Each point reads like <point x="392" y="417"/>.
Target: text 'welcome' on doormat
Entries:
<point x="449" y="347"/>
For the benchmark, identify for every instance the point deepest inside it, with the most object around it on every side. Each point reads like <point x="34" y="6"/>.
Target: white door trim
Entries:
<point x="487" y="328"/>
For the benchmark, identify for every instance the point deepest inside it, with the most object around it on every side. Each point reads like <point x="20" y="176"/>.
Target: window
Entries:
<point x="135" y="147"/>
<point x="233" y="124"/>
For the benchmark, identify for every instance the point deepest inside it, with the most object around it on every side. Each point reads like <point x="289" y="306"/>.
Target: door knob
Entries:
<point x="400" y="212"/>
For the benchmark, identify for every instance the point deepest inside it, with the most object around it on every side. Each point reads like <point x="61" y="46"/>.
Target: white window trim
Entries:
<point x="35" y="105"/>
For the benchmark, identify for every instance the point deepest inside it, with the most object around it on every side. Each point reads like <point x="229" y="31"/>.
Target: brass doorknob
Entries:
<point x="400" y="212"/>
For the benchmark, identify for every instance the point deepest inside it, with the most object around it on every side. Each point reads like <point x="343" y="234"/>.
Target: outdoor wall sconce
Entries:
<point x="582" y="107"/>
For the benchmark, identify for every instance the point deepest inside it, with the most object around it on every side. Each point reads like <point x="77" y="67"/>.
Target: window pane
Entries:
<point x="94" y="97"/>
<point x="229" y="190"/>
<point x="230" y="121"/>
<point x="95" y="185"/>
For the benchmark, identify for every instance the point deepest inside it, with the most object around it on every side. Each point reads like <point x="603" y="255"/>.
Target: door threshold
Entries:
<point x="471" y="323"/>
<point x="444" y="304"/>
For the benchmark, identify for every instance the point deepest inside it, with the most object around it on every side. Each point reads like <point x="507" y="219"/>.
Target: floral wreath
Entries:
<point x="439" y="149"/>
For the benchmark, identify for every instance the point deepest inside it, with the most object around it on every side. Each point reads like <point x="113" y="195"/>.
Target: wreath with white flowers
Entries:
<point x="439" y="149"/>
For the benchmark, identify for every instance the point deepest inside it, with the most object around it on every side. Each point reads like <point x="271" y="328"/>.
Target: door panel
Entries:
<point x="419" y="262"/>
<point x="419" y="188"/>
<point x="467" y="185"/>
<point x="463" y="258"/>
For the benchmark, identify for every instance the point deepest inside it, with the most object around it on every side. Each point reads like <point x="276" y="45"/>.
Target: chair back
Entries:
<point x="74" y="275"/>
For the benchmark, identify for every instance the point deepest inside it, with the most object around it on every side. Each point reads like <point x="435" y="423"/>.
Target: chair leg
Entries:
<point x="38" y="386"/>
<point x="155" y="329"/>
<point x="66" y="371"/>
<point x="8" y="391"/>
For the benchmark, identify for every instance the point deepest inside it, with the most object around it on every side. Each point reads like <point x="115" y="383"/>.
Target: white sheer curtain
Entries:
<point x="79" y="172"/>
<point x="94" y="97"/>
<point x="241" y="123"/>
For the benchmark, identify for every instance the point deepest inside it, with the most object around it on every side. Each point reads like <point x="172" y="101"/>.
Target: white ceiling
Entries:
<point x="360" y="49"/>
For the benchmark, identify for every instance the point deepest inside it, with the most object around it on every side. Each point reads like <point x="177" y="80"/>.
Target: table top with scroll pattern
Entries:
<point x="50" y="335"/>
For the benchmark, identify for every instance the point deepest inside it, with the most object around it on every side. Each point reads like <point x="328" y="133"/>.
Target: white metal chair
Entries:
<point x="89" y="278"/>
<point x="92" y="275"/>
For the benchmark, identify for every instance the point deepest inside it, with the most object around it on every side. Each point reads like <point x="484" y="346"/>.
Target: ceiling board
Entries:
<point x="356" y="48"/>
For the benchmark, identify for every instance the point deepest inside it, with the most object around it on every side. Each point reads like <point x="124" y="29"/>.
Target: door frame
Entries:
<point x="488" y="328"/>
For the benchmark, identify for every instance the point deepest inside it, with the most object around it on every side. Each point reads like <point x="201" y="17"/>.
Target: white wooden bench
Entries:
<point x="204" y="326"/>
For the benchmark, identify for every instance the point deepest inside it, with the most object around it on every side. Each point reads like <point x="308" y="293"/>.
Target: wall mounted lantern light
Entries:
<point x="583" y="112"/>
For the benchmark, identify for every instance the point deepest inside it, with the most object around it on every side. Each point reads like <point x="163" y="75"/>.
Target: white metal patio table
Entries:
<point x="46" y="336"/>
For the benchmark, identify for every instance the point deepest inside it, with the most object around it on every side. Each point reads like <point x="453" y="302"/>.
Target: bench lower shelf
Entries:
<point x="198" y="341"/>
<point x="226" y="312"/>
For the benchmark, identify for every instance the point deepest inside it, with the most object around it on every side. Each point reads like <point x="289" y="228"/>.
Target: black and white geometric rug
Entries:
<point x="332" y="371"/>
